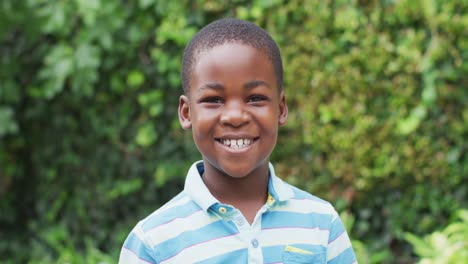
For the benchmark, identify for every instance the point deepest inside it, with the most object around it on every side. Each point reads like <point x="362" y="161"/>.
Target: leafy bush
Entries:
<point x="90" y="142"/>
<point x="447" y="246"/>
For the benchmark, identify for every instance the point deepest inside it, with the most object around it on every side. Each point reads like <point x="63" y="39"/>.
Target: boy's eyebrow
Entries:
<point x="256" y="83"/>
<point x="248" y="85"/>
<point x="212" y="86"/>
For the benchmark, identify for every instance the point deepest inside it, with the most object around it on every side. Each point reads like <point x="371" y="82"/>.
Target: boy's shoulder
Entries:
<point x="178" y="207"/>
<point x="301" y="194"/>
<point x="174" y="226"/>
<point x="309" y="201"/>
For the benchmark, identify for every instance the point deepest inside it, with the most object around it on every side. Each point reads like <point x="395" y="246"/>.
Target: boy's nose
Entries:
<point x="234" y="115"/>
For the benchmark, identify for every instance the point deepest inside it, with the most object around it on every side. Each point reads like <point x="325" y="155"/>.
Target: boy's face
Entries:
<point x="234" y="108"/>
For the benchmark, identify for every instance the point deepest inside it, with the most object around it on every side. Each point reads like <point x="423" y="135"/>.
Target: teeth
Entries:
<point x="237" y="143"/>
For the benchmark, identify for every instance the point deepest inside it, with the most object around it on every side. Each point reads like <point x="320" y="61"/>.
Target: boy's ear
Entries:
<point x="184" y="112"/>
<point x="283" y="109"/>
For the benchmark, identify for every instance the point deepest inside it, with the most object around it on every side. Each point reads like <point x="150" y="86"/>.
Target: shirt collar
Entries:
<point x="197" y="190"/>
<point x="277" y="188"/>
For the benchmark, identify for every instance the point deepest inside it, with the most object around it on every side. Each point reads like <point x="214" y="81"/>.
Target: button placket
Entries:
<point x="254" y="243"/>
<point x="240" y="221"/>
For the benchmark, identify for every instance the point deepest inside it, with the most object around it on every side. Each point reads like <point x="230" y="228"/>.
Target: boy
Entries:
<point x="233" y="208"/>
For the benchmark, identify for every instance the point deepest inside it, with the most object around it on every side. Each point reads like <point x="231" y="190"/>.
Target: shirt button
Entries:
<point x="240" y="221"/>
<point x="254" y="243"/>
<point x="271" y="200"/>
<point x="222" y="210"/>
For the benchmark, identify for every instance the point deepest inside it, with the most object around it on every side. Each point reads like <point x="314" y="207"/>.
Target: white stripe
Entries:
<point x="206" y="250"/>
<point x="165" y="207"/>
<point x="170" y="230"/>
<point x="287" y="236"/>
<point x="337" y="246"/>
<point x="128" y="257"/>
<point x="138" y="231"/>
<point x="170" y="205"/>
<point x="305" y="206"/>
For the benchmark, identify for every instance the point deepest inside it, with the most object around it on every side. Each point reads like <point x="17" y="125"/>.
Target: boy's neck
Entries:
<point x="248" y="194"/>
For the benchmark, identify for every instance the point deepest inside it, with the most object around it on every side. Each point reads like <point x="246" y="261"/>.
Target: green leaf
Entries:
<point x="145" y="3"/>
<point x="421" y="247"/>
<point x="146" y="135"/>
<point x="55" y="15"/>
<point x="135" y="78"/>
<point x="58" y="66"/>
<point x="87" y="56"/>
<point x="429" y="9"/>
<point x="122" y="188"/>
<point x="152" y="100"/>
<point x="429" y="94"/>
<point x="7" y="122"/>
<point x="88" y="10"/>
<point x="411" y="123"/>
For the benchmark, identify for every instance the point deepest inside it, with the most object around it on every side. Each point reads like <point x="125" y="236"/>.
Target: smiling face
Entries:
<point x="234" y="109"/>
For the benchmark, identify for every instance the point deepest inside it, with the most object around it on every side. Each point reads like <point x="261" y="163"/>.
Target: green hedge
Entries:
<point x="90" y="141"/>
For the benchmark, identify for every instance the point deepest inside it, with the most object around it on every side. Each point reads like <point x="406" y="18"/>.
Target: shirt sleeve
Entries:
<point x="339" y="249"/>
<point x="136" y="250"/>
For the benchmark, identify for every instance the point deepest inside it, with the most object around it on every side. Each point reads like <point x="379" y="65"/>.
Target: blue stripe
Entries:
<point x="336" y="229"/>
<point x="209" y="232"/>
<point x="347" y="256"/>
<point x="277" y="219"/>
<point x="274" y="254"/>
<point x="170" y="214"/>
<point x="238" y="256"/>
<point x="134" y="244"/>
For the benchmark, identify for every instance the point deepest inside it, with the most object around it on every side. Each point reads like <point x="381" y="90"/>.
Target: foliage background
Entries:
<point x="90" y="142"/>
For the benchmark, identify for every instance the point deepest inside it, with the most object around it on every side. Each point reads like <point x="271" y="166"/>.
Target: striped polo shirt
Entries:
<point x="194" y="227"/>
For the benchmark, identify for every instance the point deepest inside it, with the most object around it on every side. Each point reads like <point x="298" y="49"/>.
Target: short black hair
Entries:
<point x="230" y="30"/>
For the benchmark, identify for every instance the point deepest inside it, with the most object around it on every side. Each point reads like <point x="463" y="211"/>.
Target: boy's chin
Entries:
<point x="237" y="174"/>
<point x="237" y="171"/>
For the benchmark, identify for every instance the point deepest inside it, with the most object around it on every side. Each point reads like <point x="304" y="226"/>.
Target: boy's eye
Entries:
<point x="212" y="100"/>
<point x="257" y="98"/>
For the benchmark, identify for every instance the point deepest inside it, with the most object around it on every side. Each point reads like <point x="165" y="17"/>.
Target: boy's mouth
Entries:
<point x="236" y="143"/>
